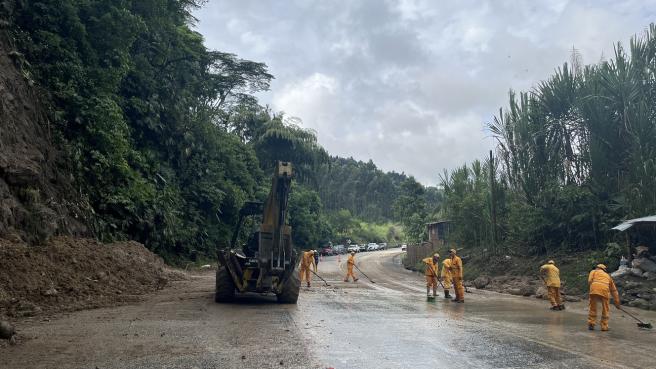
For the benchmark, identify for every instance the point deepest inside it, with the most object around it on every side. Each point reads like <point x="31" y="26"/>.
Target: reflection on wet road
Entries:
<point x="390" y="324"/>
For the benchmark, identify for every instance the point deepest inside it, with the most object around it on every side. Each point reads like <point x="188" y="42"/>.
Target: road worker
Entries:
<point x="551" y="277"/>
<point x="316" y="260"/>
<point x="349" y="267"/>
<point x="446" y="277"/>
<point x="307" y="262"/>
<point x="432" y="266"/>
<point x="456" y="276"/>
<point x="601" y="287"/>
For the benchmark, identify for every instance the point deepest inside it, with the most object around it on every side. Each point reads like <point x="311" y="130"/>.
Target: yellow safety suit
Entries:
<point x="307" y="261"/>
<point x="552" y="280"/>
<point x="456" y="275"/>
<point x="601" y="287"/>
<point x="349" y="267"/>
<point x="446" y="273"/>
<point x="430" y="272"/>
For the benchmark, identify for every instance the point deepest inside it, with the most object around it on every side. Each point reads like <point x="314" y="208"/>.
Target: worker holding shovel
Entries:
<point x="601" y="287"/>
<point x="307" y="263"/>
<point x="432" y="265"/>
<point x="551" y="277"/>
<point x="456" y="274"/>
<point x="349" y="268"/>
<point x="446" y="277"/>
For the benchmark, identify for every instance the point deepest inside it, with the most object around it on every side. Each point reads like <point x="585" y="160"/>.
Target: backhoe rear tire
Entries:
<point x="290" y="290"/>
<point x="225" y="286"/>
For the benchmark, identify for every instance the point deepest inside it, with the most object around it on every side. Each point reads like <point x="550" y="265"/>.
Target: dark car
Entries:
<point x="326" y="251"/>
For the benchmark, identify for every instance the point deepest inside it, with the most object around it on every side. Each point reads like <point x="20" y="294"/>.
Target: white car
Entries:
<point x="372" y="247"/>
<point x="404" y="247"/>
<point x="355" y="248"/>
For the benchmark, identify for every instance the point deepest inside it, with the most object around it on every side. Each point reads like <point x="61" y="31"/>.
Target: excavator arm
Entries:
<point x="271" y="266"/>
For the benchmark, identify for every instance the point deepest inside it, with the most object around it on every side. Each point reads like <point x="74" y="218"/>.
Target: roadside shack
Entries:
<point x="640" y="235"/>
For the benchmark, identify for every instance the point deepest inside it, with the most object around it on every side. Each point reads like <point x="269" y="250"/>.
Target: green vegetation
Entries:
<point x="164" y="139"/>
<point x="577" y="155"/>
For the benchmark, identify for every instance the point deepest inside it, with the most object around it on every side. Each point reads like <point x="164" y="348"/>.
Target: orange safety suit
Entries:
<point x="307" y="261"/>
<point x="552" y="280"/>
<point x="456" y="274"/>
<point x="446" y="273"/>
<point x="430" y="272"/>
<point x="601" y="287"/>
<point x="349" y="267"/>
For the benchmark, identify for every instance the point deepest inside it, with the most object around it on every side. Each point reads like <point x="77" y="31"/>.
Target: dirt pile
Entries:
<point x="69" y="274"/>
<point x="36" y="197"/>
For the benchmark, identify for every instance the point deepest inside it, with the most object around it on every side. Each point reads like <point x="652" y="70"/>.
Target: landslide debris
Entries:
<point x="67" y="274"/>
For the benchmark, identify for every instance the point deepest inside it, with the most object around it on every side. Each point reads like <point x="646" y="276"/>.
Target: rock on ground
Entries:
<point x="481" y="282"/>
<point x="6" y="330"/>
<point x="639" y="303"/>
<point x="541" y="292"/>
<point x="645" y="265"/>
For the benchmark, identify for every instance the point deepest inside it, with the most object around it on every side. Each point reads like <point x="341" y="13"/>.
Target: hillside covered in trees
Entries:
<point x="163" y="140"/>
<point x="575" y="156"/>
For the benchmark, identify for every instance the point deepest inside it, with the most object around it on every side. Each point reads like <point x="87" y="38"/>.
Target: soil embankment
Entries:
<point x="69" y="274"/>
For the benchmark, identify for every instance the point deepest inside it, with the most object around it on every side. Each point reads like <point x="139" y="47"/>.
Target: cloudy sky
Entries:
<point x="410" y="84"/>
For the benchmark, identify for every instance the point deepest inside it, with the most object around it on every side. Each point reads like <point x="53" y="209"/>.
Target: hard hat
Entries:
<point x="551" y="262"/>
<point x="601" y="266"/>
<point x="352" y="251"/>
<point x="436" y="255"/>
<point x="453" y="251"/>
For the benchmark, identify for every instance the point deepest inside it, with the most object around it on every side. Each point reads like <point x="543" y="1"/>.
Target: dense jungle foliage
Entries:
<point x="164" y="138"/>
<point x="575" y="156"/>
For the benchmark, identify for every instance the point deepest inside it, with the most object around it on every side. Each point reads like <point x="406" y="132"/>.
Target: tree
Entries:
<point x="410" y="209"/>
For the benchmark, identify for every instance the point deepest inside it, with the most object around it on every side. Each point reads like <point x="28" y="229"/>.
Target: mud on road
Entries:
<point x="388" y="324"/>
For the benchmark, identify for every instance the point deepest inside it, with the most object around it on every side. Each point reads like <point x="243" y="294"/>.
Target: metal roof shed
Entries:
<point x="630" y="223"/>
<point x="639" y="222"/>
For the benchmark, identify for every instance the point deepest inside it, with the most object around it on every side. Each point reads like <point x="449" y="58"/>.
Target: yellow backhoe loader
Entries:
<point x="267" y="262"/>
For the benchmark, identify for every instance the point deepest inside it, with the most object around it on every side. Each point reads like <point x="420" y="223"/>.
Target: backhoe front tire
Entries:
<point x="290" y="290"/>
<point x="225" y="286"/>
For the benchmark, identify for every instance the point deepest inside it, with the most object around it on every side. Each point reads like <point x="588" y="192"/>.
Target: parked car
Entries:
<point x="327" y="251"/>
<point x="404" y="247"/>
<point x="372" y="247"/>
<point x="339" y="249"/>
<point x="382" y="246"/>
<point x="355" y="248"/>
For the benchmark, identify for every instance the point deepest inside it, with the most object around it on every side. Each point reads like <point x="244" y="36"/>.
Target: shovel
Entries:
<point x="318" y="276"/>
<point x="640" y="323"/>
<point x="366" y="276"/>
<point x="463" y="283"/>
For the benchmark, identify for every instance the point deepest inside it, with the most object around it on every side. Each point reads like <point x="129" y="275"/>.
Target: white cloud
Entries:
<point x="411" y="83"/>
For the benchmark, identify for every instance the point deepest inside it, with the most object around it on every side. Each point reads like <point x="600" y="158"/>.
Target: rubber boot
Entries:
<point x="446" y="294"/>
<point x="308" y="284"/>
<point x="561" y="306"/>
<point x="590" y="327"/>
<point x="434" y="292"/>
<point x="428" y="291"/>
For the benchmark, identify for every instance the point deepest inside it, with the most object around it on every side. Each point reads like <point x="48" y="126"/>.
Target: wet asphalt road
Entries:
<point x="387" y="324"/>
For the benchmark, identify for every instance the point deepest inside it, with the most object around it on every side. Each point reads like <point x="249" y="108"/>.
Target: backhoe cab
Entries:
<point x="267" y="262"/>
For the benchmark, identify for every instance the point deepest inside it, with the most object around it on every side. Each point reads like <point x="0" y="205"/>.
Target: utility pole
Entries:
<point x="493" y="205"/>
